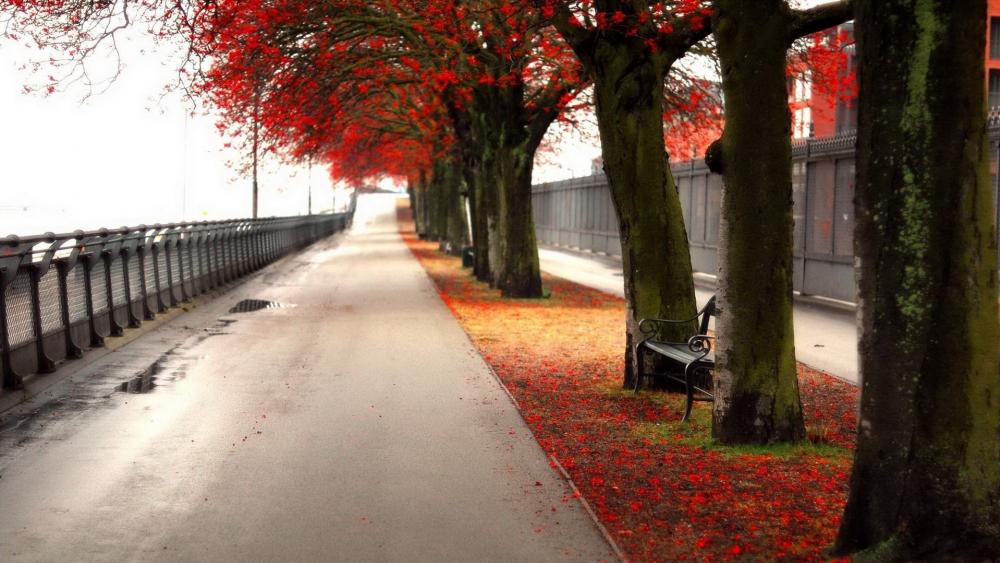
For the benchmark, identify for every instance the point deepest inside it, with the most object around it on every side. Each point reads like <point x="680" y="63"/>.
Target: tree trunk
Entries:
<point x="487" y="129"/>
<point x="628" y="91"/>
<point x="420" y="206"/>
<point x="509" y="143"/>
<point x="926" y="478"/>
<point x="756" y="387"/>
<point x="518" y="272"/>
<point x="455" y="229"/>
<point x="439" y="202"/>
<point x="413" y="191"/>
<point x="480" y="201"/>
<point x="482" y="209"/>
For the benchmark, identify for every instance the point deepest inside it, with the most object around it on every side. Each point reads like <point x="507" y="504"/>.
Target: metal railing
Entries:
<point x="61" y="294"/>
<point x="579" y="214"/>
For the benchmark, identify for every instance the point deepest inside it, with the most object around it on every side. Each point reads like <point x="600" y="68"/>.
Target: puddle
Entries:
<point x="143" y="383"/>
<point x="251" y="305"/>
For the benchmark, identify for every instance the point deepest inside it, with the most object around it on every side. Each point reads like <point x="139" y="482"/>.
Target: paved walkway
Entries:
<point x="355" y="423"/>
<point x="825" y="336"/>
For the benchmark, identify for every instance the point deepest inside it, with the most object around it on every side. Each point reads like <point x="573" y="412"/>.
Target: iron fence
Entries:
<point x="579" y="214"/>
<point x="61" y="294"/>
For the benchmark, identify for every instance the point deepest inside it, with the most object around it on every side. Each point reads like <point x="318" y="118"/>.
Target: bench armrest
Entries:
<point x="649" y="327"/>
<point x="701" y="344"/>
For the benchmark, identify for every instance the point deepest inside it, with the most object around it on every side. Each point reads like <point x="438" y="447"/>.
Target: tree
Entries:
<point x="627" y="49"/>
<point x="502" y="77"/>
<point x="756" y="385"/>
<point x="926" y="478"/>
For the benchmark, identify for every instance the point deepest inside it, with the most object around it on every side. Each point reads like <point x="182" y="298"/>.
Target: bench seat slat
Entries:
<point x="678" y="351"/>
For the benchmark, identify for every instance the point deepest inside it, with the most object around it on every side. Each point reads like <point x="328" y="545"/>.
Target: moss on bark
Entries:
<point x="756" y="387"/>
<point x="510" y="142"/>
<point x="926" y="479"/>
<point x="628" y="92"/>
<point x="452" y="223"/>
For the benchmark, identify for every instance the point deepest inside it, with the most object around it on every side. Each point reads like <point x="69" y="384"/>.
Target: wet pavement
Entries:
<point x="329" y="408"/>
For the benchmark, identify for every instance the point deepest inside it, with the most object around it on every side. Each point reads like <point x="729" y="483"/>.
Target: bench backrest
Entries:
<point x="707" y="312"/>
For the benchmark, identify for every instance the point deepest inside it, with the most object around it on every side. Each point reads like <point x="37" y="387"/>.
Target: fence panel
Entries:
<point x="823" y="172"/>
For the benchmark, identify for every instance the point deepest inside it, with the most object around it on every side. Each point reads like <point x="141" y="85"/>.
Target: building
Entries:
<point x="820" y="112"/>
<point x="815" y="114"/>
<point x="993" y="53"/>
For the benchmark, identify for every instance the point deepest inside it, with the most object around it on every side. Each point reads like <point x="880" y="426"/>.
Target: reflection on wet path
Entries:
<point x="251" y="305"/>
<point x="106" y="385"/>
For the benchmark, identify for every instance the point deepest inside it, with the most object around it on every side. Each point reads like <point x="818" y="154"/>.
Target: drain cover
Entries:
<point x="251" y="305"/>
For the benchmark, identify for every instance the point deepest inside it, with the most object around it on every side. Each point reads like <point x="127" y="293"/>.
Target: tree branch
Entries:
<point x="824" y="16"/>
<point x="579" y="39"/>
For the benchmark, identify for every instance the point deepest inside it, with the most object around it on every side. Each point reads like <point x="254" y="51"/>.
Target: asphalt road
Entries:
<point x="826" y="337"/>
<point x="355" y="422"/>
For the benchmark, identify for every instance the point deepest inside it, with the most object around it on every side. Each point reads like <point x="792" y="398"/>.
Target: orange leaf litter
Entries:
<point x="661" y="489"/>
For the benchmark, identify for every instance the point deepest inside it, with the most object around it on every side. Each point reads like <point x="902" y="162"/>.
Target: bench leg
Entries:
<point x="689" y="390"/>
<point x="638" y="368"/>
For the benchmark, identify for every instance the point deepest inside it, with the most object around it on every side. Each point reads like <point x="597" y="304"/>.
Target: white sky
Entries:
<point x="125" y="156"/>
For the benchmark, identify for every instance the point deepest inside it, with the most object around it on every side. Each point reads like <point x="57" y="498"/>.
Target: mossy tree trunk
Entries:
<point x="449" y="181"/>
<point x="483" y="212"/>
<point x="440" y="202"/>
<point x="429" y="206"/>
<point x="518" y="272"/>
<point x="756" y="387"/>
<point x="628" y="92"/>
<point x="413" y="189"/>
<point x="490" y="197"/>
<point x="511" y="138"/>
<point x="926" y="478"/>
<point x="628" y="76"/>
<point x="468" y="130"/>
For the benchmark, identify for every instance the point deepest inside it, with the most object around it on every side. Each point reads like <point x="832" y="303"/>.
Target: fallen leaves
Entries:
<point x="663" y="490"/>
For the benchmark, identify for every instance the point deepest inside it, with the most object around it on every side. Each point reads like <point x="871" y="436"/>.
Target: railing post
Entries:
<point x="11" y="380"/>
<point x="45" y="364"/>
<point x="156" y="249"/>
<point x="128" y="252"/>
<point x="62" y="270"/>
<point x="146" y="251"/>
<point x="182" y="244"/>
<point x="211" y="258"/>
<point x="107" y="258"/>
<point x="96" y="340"/>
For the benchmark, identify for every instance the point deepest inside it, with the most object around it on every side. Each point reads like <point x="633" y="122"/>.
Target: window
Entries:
<point x="847" y="115"/>
<point x="994" y="88"/>
<point x="801" y="87"/>
<point x="995" y="38"/>
<point x="847" y="110"/>
<point x="802" y="123"/>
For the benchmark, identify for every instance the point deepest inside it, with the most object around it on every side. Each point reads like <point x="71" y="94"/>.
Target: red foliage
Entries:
<point x="373" y="88"/>
<point x="663" y="492"/>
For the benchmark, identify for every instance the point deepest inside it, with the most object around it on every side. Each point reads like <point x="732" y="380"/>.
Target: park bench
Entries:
<point x="689" y="363"/>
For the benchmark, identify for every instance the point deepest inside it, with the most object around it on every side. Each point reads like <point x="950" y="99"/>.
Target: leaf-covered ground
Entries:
<point x="662" y="489"/>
